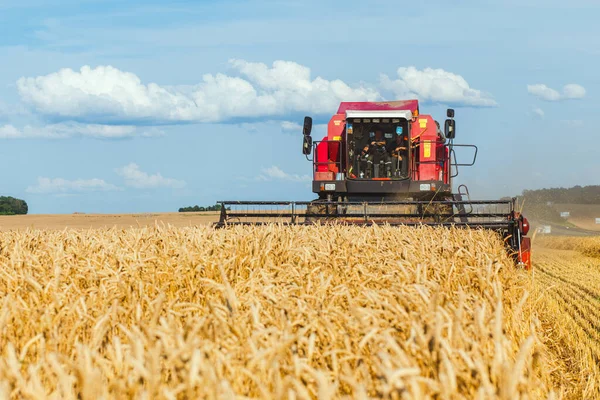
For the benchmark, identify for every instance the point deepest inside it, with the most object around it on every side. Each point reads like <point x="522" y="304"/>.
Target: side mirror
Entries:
<point x="307" y="145"/>
<point x="450" y="113"/>
<point x="450" y="128"/>
<point x="307" y="126"/>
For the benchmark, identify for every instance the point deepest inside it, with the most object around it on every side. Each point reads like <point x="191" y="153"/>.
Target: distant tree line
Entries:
<point x="11" y="206"/>
<point x="216" y="207"/>
<point x="574" y="195"/>
<point x="539" y="204"/>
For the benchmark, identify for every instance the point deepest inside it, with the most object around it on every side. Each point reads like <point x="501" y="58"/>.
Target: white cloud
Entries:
<point x="138" y="179"/>
<point x="289" y="126"/>
<point x="256" y="91"/>
<point x="60" y="185"/>
<point x="72" y="129"/>
<point x="538" y="112"/>
<point x="108" y="94"/>
<point x="293" y="127"/>
<point x="543" y="92"/>
<point x="437" y="86"/>
<point x="10" y="132"/>
<point x="573" y="91"/>
<point x="275" y="172"/>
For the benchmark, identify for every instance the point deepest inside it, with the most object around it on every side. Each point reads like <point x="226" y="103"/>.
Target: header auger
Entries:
<point x="385" y="163"/>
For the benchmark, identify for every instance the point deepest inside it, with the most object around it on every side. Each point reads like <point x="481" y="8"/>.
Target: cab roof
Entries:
<point x="396" y="105"/>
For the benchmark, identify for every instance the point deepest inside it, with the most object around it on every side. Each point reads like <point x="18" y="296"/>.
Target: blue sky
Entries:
<point x="127" y="106"/>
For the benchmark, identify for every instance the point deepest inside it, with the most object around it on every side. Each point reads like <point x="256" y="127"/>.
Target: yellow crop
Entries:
<point x="589" y="246"/>
<point x="567" y="285"/>
<point x="267" y="312"/>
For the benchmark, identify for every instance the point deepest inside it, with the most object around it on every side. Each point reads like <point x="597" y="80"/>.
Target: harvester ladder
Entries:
<point x="458" y="197"/>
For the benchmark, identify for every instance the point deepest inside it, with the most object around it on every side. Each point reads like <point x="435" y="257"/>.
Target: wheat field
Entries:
<point x="273" y="312"/>
<point x="567" y="284"/>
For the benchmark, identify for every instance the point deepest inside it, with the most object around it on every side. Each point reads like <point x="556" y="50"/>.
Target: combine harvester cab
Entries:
<point x="385" y="163"/>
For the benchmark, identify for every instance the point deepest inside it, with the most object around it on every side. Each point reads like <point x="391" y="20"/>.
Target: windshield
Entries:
<point x="373" y="139"/>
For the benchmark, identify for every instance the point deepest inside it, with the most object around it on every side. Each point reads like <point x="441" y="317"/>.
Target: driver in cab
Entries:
<point x="376" y="152"/>
<point x="399" y="151"/>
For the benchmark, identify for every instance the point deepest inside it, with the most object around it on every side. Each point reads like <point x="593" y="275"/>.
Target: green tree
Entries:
<point x="12" y="206"/>
<point x="196" y="208"/>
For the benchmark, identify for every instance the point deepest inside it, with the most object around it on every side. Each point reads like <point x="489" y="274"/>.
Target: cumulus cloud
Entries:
<point x="254" y="91"/>
<point x="73" y="129"/>
<point x="538" y="112"/>
<point x="543" y="92"/>
<point x="436" y="86"/>
<point x="109" y="94"/>
<point x="573" y="91"/>
<point x="289" y="126"/>
<point x="276" y="173"/>
<point x="63" y="186"/>
<point x="136" y="178"/>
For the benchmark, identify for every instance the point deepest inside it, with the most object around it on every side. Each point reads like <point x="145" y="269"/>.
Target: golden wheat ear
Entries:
<point x="276" y="311"/>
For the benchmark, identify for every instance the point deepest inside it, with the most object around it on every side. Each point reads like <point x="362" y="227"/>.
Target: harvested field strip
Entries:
<point x="568" y="288"/>
<point x="588" y="246"/>
<point x="578" y="294"/>
<point x="578" y="311"/>
<point x="574" y="279"/>
<point x="268" y="312"/>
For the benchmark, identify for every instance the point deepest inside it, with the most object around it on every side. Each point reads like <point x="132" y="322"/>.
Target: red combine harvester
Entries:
<point x="385" y="163"/>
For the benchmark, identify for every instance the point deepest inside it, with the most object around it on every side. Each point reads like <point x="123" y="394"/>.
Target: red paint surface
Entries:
<point x="328" y="151"/>
<point x="335" y="129"/>
<point x="526" y="252"/>
<point x="336" y="126"/>
<point x="321" y="156"/>
<point x="411" y="105"/>
<point x="428" y="167"/>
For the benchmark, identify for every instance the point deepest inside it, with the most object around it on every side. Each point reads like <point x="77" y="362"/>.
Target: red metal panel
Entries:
<point x="526" y="252"/>
<point x="335" y="131"/>
<point x="336" y="126"/>
<point x="334" y="155"/>
<point x="411" y="105"/>
<point x="321" y="156"/>
<point x="424" y="132"/>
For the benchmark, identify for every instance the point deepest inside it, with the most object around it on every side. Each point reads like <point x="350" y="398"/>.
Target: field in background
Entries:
<point x="582" y="215"/>
<point x="271" y="312"/>
<point x="87" y="221"/>
<point x="581" y="222"/>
